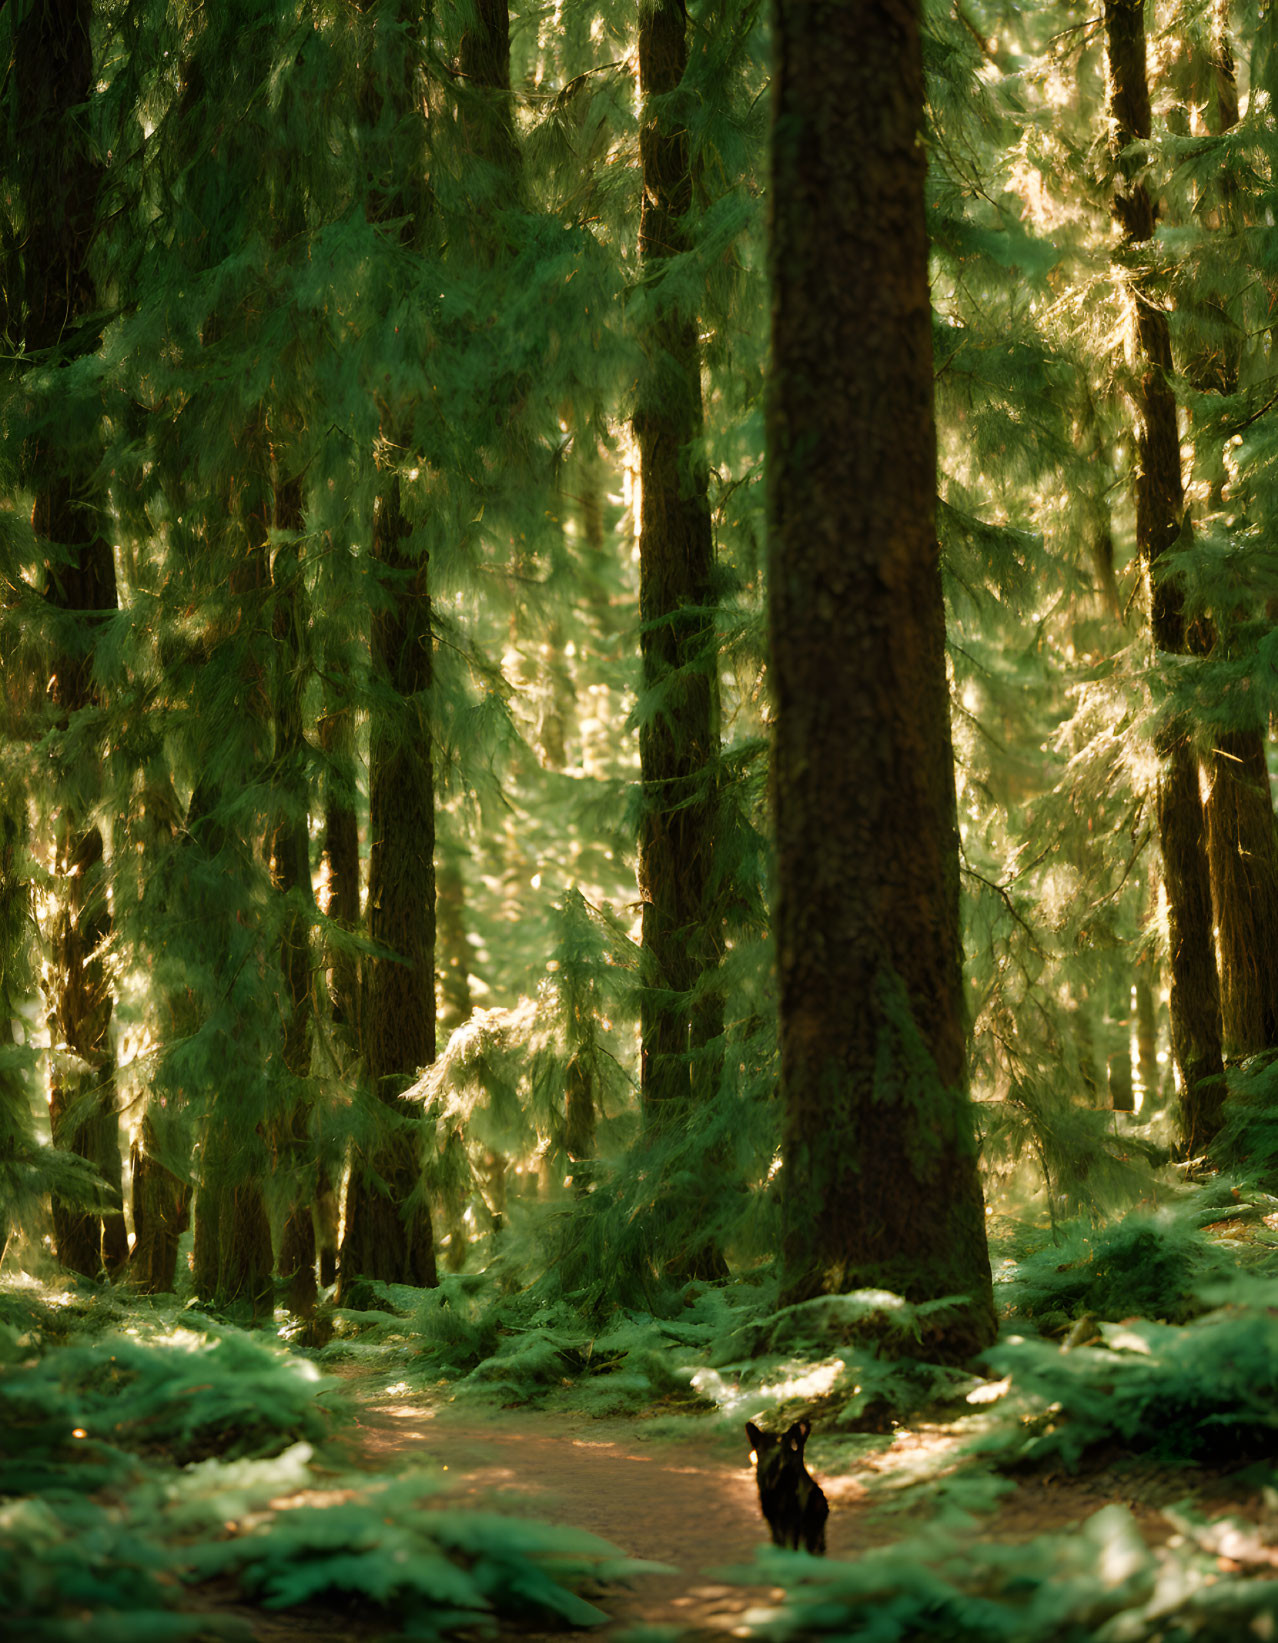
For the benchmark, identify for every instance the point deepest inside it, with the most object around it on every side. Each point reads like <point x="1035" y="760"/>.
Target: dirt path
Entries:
<point x="686" y="1501"/>
<point x="690" y="1503"/>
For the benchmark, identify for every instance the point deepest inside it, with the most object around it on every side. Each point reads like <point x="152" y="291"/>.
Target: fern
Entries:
<point x="1101" y="1582"/>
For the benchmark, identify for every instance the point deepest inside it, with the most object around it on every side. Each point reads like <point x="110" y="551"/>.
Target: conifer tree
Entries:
<point x="290" y="863"/>
<point x="1242" y="841"/>
<point x="880" y="1185"/>
<point x="1163" y="523"/>
<point x="53" y="76"/>
<point x="679" y="729"/>
<point x="388" y="1233"/>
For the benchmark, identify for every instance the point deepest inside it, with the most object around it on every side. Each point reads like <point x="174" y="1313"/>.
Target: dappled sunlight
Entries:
<point x="807" y="1381"/>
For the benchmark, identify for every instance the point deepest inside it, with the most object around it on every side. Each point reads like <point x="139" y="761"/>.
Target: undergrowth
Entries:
<point x="1202" y="1392"/>
<point x="148" y="1448"/>
<point x="153" y="1449"/>
<point x="1100" y="1583"/>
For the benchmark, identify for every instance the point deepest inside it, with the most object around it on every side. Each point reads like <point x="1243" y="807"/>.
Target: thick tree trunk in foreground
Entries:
<point x="880" y="1183"/>
<point x="388" y="1230"/>
<point x="53" y="72"/>
<point x="1161" y="521"/>
<point x="679" y="739"/>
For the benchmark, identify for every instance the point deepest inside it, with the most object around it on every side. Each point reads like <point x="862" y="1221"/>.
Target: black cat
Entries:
<point x="791" y="1498"/>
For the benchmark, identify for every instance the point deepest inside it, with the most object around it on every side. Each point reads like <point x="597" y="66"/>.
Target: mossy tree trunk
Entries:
<point x="879" y="1181"/>
<point x="1162" y="523"/>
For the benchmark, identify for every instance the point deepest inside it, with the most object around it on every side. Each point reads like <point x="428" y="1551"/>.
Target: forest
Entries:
<point x="639" y="648"/>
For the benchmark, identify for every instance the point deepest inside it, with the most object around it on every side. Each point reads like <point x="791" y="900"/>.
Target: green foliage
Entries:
<point x="81" y="1410"/>
<point x="437" y="1570"/>
<point x="1101" y="1582"/>
<point x="1151" y="1264"/>
<point x="107" y="1503"/>
<point x="1198" y="1392"/>
<point x="1248" y="1142"/>
<point x="76" y="1572"/>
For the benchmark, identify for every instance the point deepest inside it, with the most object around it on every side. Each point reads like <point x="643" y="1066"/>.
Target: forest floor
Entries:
<point x="684" y="1500"/>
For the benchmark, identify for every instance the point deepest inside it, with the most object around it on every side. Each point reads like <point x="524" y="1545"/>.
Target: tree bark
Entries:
<point x="1161" y="523"/>
<point x="53" y="75"/>
<point x="233" y="1255"/>
<point x="388" y="1231"/>
<point x="290" y="861"/>
<point x="879" y="1181"/>
<point x="679" y="736"/>
<point x="1242" y="843"/>
<point x="1242" y="847"/>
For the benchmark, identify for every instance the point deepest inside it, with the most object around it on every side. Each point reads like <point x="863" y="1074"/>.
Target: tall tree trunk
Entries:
<point x="879" y="1182"/>
<point x="53" y="73"/>
<point x="388" y="1230"/>
<point x="1242" y="842"/>
<point x="341" y="859"/>
<point x="484" y="68"/>
<point x="233" y="1256"/>
<point x="290" y="859"/>
<point x="1242" y="846"/>
<point x="388" y="1233"/>
<point x="1161" y="523"/>
<point x="17" y="1130"/>
<point x="679" y="737"/>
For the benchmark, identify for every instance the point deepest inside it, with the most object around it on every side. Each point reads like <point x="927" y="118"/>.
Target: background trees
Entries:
<point x="384" y="559"/>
